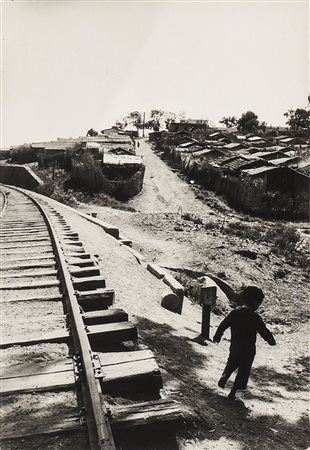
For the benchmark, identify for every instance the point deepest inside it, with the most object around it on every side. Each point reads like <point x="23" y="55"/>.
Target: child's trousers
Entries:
<point x="241" y="359"/>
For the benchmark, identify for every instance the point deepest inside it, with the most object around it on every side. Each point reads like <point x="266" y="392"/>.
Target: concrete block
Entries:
<point x="139" y="257"/>
<point x="176" y="287"/>
<point x="125" y="241"/>
<point x="156" y="270"/>
<point x="171" y="302"/>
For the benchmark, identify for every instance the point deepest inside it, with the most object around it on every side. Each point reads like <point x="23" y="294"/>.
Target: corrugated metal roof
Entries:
<point x="187" y="144"/>
<point x="58" y="145"/>
<point x="207" y="152"/>
<point x="236" y="162"/>
<point x="287" y="139"/>
<point x="267" y="155"/>
<point x="258" y="170"/>
<point x="110" y="158"/>
<point x="278" y="147"/>
<point x="304" y="170"/>
<point x="255" y="138"/>
<point x="285" y="161"/>
<point x="232" y="145"/>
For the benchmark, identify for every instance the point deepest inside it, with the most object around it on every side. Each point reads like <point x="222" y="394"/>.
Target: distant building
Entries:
<point x="188" y="125"/>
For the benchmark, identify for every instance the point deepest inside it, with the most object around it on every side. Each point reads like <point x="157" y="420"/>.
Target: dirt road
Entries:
<point x="163" y="190"/>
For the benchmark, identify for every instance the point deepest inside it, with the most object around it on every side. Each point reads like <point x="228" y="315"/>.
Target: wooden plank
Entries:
<point x="36" y="238"/>
<point x="133" y="376"/>
<point x="24" y="224"/>
<point x="34" y="265"/>
<point x="30" y="245"/>
<point x="56" y="336"/>
<point x="129" y="369"/>
<point x="35" y="284"/>
<point x="29" y="368"/>
<point x="82" y="255"/>
<point x="94" y="300"/>
<point x="43" y="273"/>
<point x="105" y="316"/>
<point x="165" y="412"/>
<point x="23" y="231"/>
<point x="72" y="243"/>
<point x="148" y="414"/>
<point x="98" y="299"/>
<point x="23" y="234"/>
<point x="30" y="250"/>
<point x="49" y="298"/>
<point x="111" y="333"/>
<point x="36" y="258"/>
<point x="79" y="262"/>
<point x="62" y="423"/>
<point x="84" y="272"/>
<point x="38" y="383"/>
<point x="70" y="250"/>
<point x="114" y="358"/>
<point x="87" y="283"/>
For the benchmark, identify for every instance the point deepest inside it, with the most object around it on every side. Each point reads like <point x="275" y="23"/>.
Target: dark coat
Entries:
<point x="244" y="323"/>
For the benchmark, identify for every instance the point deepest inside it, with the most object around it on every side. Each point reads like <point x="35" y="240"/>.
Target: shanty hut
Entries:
<point x="124" y="173"/>
<point x="286" y="162"/>
<point x="282" y="179"/>
<point x="238" y="163"/>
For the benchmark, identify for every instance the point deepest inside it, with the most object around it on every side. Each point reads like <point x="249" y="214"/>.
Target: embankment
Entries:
<point x="20" y="176"/>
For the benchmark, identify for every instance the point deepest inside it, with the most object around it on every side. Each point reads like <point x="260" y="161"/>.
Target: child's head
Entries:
<point x="253" y="297"/>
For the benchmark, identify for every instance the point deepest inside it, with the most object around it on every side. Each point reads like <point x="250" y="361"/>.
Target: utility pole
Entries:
<point x="143" y="124"/>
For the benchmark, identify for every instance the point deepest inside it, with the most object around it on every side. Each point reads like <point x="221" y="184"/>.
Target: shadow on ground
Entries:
<point x="266" y="377"/>
<point x="214" y="415"/>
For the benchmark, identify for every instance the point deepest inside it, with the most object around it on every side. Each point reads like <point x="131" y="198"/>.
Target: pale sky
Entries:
<point x="68" y="66"/>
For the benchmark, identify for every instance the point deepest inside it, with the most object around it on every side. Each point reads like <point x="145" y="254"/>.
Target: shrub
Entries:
<point x="283" y="238"/>
<point x="86" y="173"/>
<point x="253" y="232"/>
<point x="23" y="154"/>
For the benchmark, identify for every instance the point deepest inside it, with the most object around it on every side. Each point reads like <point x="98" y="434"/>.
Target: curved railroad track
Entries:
<point x="65" y="348"/>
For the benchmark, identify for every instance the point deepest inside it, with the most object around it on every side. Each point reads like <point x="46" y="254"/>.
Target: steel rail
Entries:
<point x="99" y="429"/>
<point x="5" y="204"/>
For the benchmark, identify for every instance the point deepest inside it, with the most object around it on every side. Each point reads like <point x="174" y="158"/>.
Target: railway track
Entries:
<point x="66" y="350"/>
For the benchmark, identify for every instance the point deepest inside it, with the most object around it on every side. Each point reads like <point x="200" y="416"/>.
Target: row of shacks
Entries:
<point x="114" y="151"/>
<point x="255" y="172"/>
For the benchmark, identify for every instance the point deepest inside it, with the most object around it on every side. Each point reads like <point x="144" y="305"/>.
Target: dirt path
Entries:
<point x="163" y="191"/>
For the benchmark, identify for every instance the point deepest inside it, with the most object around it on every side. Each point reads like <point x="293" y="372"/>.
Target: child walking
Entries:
<point x="244" y="323"/>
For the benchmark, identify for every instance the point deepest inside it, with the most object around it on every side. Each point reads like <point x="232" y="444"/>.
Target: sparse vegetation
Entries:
<point x="56" y="187"/>
<point x="193" y="288"/>
<point x="282" y="238"/>
<point x="23" y="154"/>
<point x="86" y="174"/>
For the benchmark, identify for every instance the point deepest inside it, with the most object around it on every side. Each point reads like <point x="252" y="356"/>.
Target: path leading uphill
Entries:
<point x="163" y="190"/>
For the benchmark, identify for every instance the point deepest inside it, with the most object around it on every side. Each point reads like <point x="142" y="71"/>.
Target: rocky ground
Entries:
<point x="175" y="229"/>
